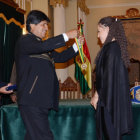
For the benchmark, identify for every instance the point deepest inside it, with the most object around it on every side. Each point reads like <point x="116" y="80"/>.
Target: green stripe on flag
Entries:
<point x="80" y="77"/>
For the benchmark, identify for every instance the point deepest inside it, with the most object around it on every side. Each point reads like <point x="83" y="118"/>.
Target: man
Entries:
<point x="38" y="87"/>
<point x="3" y="90"/>
<point x="3" y="87"/>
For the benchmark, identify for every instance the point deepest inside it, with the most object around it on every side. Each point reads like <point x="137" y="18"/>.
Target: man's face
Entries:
<point x="40" y="29"/>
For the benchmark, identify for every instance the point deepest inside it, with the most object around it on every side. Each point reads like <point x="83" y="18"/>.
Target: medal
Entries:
<point x="84" y="66"/>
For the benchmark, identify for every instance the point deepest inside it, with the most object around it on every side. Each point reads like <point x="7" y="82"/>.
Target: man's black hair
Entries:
<point x="35" y="17"/>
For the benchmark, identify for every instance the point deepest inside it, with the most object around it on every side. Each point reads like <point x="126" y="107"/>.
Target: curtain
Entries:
<point x="11" y="24"/>
<point x="8" y="37"/>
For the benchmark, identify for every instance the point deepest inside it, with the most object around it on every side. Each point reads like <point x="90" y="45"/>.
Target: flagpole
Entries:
<point x="80" y="46"/>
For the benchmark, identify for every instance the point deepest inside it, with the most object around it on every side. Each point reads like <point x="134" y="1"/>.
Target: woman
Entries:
<point x="112" y="98"/>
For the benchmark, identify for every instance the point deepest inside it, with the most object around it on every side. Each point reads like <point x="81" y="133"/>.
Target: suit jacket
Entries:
<point x="36" y="77"/>
<point x="113" y="88"/>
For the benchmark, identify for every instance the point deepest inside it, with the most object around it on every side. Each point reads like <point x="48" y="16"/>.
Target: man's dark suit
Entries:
<point x="36" y="77"/>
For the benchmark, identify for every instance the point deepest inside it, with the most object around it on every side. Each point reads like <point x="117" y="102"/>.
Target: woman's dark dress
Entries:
<point x="114" y="110"/>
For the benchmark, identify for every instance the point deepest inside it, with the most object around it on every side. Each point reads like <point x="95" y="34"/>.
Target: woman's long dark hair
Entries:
<point x="116" y="31"/>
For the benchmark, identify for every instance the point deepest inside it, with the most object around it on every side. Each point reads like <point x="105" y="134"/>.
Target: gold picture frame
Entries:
<point x="131" y="24"/>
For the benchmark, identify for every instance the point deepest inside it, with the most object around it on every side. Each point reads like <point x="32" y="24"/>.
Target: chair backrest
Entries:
<point x="69" y="89"/>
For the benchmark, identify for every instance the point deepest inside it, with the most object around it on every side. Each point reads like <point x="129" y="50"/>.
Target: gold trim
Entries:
<point x="130" y="13"/>
<point x="11" y="20"/>
<point x="82" y="5"/>
<point x="55" y="2"/>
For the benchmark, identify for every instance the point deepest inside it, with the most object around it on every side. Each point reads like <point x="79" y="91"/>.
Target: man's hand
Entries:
<point x="3" y="89"/>
<point x="81" y="40"/>
<point x="73" y="34"/>
<point x="94" y="100"/>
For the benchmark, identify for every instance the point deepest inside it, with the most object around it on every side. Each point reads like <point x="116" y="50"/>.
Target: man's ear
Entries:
<point x="32" y="26"/>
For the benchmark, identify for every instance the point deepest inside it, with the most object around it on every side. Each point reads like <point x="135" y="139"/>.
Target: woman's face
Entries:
<point x="102" y="32"/>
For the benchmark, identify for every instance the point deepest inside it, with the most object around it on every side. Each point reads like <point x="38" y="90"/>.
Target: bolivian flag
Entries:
<point x="83" y="69"/>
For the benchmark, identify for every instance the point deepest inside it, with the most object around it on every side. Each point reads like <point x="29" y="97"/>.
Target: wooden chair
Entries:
<point x="69" y="89"/>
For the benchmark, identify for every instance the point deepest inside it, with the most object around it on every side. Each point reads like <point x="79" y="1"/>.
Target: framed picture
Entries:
<point x="132" y="31"/>
<point x="131" y="24"/>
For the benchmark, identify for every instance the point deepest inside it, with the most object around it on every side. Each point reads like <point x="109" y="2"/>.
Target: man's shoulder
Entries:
<point x="23" y="40"/>
<point x="26" y="37"/>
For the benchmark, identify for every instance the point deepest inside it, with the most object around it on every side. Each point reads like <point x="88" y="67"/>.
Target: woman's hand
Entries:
<point x="94" y="100"/>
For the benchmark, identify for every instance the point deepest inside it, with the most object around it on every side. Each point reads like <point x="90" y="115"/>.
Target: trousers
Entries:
<point x="36" y="123"/>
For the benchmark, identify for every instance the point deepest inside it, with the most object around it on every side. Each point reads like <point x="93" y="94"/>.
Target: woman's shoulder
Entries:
<point x="113" y="48"/>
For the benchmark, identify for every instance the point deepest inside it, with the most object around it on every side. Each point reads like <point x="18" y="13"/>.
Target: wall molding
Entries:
<point x="114" y="5"/>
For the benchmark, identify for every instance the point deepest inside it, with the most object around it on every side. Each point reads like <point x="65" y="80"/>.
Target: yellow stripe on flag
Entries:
<point x="87" y="76"/>
<point x="76" y="40"/>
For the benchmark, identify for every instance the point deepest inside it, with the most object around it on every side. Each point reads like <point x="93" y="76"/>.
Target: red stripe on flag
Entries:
<point x="86" y="51"/>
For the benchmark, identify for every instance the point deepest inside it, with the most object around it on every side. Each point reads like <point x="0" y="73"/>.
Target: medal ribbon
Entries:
<point x="80" y="46"/>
